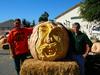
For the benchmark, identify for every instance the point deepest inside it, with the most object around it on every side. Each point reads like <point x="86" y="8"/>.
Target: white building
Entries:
<point x="72" y="15"/>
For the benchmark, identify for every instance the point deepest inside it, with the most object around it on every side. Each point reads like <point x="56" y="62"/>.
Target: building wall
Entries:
<point x="73" y="16"/>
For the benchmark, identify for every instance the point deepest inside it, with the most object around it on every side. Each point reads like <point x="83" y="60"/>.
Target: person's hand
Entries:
<point x="11" y="57"/>
<point x="84" y="55"/>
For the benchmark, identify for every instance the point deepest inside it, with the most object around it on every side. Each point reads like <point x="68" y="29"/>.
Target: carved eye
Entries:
<point x="56" y="34"/>
<point x="49" y="40"/>
<point x="43" y="28"/>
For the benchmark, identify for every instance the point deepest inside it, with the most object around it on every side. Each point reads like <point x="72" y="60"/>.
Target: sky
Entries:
<point x="32" y="9"/>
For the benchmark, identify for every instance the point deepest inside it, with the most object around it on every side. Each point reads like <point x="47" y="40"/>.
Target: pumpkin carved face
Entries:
<point x="49" y="41"/>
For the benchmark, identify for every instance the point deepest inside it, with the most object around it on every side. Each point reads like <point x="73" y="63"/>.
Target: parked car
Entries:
<point x="96" y="29"/>
<point x="3" y="41"/>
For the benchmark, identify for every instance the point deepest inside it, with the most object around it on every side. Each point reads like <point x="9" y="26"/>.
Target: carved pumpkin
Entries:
<point x="49" y="41"/>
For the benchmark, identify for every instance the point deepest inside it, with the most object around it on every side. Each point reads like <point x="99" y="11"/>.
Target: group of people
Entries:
<point x="18" y="40"/>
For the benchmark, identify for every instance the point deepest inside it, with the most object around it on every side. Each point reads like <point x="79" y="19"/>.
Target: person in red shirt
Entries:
<point x="18" y="40"/>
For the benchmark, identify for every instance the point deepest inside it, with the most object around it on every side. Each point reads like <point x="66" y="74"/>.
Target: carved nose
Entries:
<point x="49" y="40"/>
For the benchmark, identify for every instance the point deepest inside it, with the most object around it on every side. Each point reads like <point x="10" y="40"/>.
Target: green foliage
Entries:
<point x="26" y="23"/>
<point x="33" y="24"/>
<point x="90" y="10"/>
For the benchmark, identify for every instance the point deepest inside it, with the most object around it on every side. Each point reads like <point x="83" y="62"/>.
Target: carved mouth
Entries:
<point x="48" y="50"/>
<point x="50" y="54"/>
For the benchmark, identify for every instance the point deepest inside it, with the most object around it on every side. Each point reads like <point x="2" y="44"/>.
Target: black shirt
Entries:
<point x="81" y="40"/>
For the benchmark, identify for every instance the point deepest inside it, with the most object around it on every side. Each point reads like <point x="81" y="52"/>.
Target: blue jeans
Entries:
<point x="81" y="62"/>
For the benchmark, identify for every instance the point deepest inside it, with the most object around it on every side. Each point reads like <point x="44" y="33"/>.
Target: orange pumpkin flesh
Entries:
<point x="49" y="41"/>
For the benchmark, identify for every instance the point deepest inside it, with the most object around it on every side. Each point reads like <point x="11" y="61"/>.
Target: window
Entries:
<point x="96" y="28"/>
<point x="76" y="17"/>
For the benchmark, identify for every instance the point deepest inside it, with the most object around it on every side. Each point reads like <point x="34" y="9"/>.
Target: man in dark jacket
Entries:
<point x="82" y="46"/>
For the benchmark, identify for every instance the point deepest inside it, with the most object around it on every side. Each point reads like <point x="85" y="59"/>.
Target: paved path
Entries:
<point x="6" y="63"/>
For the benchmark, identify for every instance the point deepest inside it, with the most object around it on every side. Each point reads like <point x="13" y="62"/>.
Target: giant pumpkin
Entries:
<point x="49" y="41"/>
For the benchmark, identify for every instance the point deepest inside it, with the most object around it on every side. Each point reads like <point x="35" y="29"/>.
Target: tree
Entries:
<point x="90" y="10"/>
<point x="33" y="24"/>
<point x="26" y="23"/>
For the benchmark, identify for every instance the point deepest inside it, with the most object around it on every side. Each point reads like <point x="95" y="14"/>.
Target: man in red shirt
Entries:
<point x="18" y="40"/>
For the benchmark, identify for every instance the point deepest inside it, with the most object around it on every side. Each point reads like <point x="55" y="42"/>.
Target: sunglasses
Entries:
<point x="17" y="23"/>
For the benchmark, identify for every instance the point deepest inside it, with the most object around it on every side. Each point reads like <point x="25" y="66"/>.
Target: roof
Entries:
<point x="68" y="10"/>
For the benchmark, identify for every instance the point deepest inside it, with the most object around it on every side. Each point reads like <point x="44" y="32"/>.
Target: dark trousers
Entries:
<point x="19" y="59"/>
<point x="81" y="62"/>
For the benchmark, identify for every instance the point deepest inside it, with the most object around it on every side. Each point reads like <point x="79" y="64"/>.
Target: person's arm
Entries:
<point x="88" y="45"/>
<point x="29" y="30"/>
<point x="10" y="41"/>
<point x="87" y="50"/>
